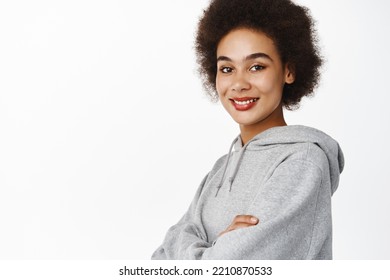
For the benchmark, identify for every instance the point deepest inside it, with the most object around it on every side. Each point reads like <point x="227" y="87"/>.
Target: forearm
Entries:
<point x="182" y="241"/>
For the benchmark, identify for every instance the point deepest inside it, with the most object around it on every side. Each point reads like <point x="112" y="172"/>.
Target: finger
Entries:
<point x="240" y="225"/>
<point x="242" y="221"/>
<point x="246" y="219"/>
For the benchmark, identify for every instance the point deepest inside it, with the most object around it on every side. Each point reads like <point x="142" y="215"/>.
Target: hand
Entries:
<point x="241" y="221"/>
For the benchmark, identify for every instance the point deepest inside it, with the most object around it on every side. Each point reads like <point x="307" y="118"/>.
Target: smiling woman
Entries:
<point x="270" y="198"/>
<point x="250" y="81"/>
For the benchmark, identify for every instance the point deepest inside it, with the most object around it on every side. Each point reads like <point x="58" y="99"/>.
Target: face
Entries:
<point x="251" y="77"/>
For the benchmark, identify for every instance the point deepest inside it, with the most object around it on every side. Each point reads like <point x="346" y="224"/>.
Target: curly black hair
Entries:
<point x="290" y="26"/>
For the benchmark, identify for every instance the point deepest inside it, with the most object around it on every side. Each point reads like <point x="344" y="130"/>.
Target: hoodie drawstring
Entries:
<point x="226" y="165"/>
<point x="231" y="179"/>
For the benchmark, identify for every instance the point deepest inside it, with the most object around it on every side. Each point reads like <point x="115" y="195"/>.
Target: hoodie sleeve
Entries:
<point x="184" y="240"/>
<point x="293" y="207"/>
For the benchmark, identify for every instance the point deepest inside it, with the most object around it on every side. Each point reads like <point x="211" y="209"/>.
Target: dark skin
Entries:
<point x="274" y="119"/>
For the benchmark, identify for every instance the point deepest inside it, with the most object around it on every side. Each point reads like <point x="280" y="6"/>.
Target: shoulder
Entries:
<point x="307" y="154"/>
<point x="219" y="163"/>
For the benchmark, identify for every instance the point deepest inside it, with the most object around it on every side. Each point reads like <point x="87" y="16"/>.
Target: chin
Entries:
<point x="246" y="122"/>
<point x="245" y="118"/>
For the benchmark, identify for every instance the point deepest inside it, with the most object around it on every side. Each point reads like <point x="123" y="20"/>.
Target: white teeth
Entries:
<point x="245" y="102"/>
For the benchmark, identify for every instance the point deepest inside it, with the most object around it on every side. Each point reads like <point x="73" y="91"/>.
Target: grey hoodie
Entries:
<point x="285" y="176"/>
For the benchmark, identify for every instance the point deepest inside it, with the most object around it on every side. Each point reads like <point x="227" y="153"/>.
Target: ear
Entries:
<point x="289" y="71"/>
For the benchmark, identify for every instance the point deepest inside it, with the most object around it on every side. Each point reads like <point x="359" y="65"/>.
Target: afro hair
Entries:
<point x="290" y="27"/>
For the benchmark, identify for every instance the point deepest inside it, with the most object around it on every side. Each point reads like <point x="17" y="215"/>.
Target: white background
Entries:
<point x="105" y="132"/>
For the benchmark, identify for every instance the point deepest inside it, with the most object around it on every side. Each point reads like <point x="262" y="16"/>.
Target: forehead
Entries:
<point x="242" y="42"/>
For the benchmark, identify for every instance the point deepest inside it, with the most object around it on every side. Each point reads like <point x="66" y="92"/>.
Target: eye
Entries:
<point x="225" y="69"/>
<point x="256" y="67"/>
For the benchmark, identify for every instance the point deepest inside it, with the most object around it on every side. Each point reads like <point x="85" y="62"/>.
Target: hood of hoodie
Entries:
<point x="289" y="135"/>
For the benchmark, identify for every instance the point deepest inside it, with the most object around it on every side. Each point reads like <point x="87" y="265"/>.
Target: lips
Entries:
<point x="244" y="103"/>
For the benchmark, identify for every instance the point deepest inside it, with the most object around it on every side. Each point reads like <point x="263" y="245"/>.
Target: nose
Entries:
<point x="240" y="82"/>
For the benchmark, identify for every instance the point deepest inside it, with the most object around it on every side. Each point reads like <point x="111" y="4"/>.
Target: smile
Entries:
<point x="245" y="102"/>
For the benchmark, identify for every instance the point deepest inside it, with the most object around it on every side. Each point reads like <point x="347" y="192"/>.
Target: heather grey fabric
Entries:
<point x="285" y="176"/>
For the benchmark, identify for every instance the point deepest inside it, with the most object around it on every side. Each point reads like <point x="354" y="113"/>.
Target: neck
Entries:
<point x="276" y="118"/>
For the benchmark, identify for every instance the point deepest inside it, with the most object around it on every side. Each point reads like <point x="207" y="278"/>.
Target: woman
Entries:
<point x="270" y="198"/>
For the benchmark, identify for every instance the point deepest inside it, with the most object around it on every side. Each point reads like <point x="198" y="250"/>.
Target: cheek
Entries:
<point x="220" y="85"/>
<point x="269" y="84"/>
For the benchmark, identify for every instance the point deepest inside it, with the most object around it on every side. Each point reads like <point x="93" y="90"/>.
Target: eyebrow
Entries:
<point x="249" y="57"/>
